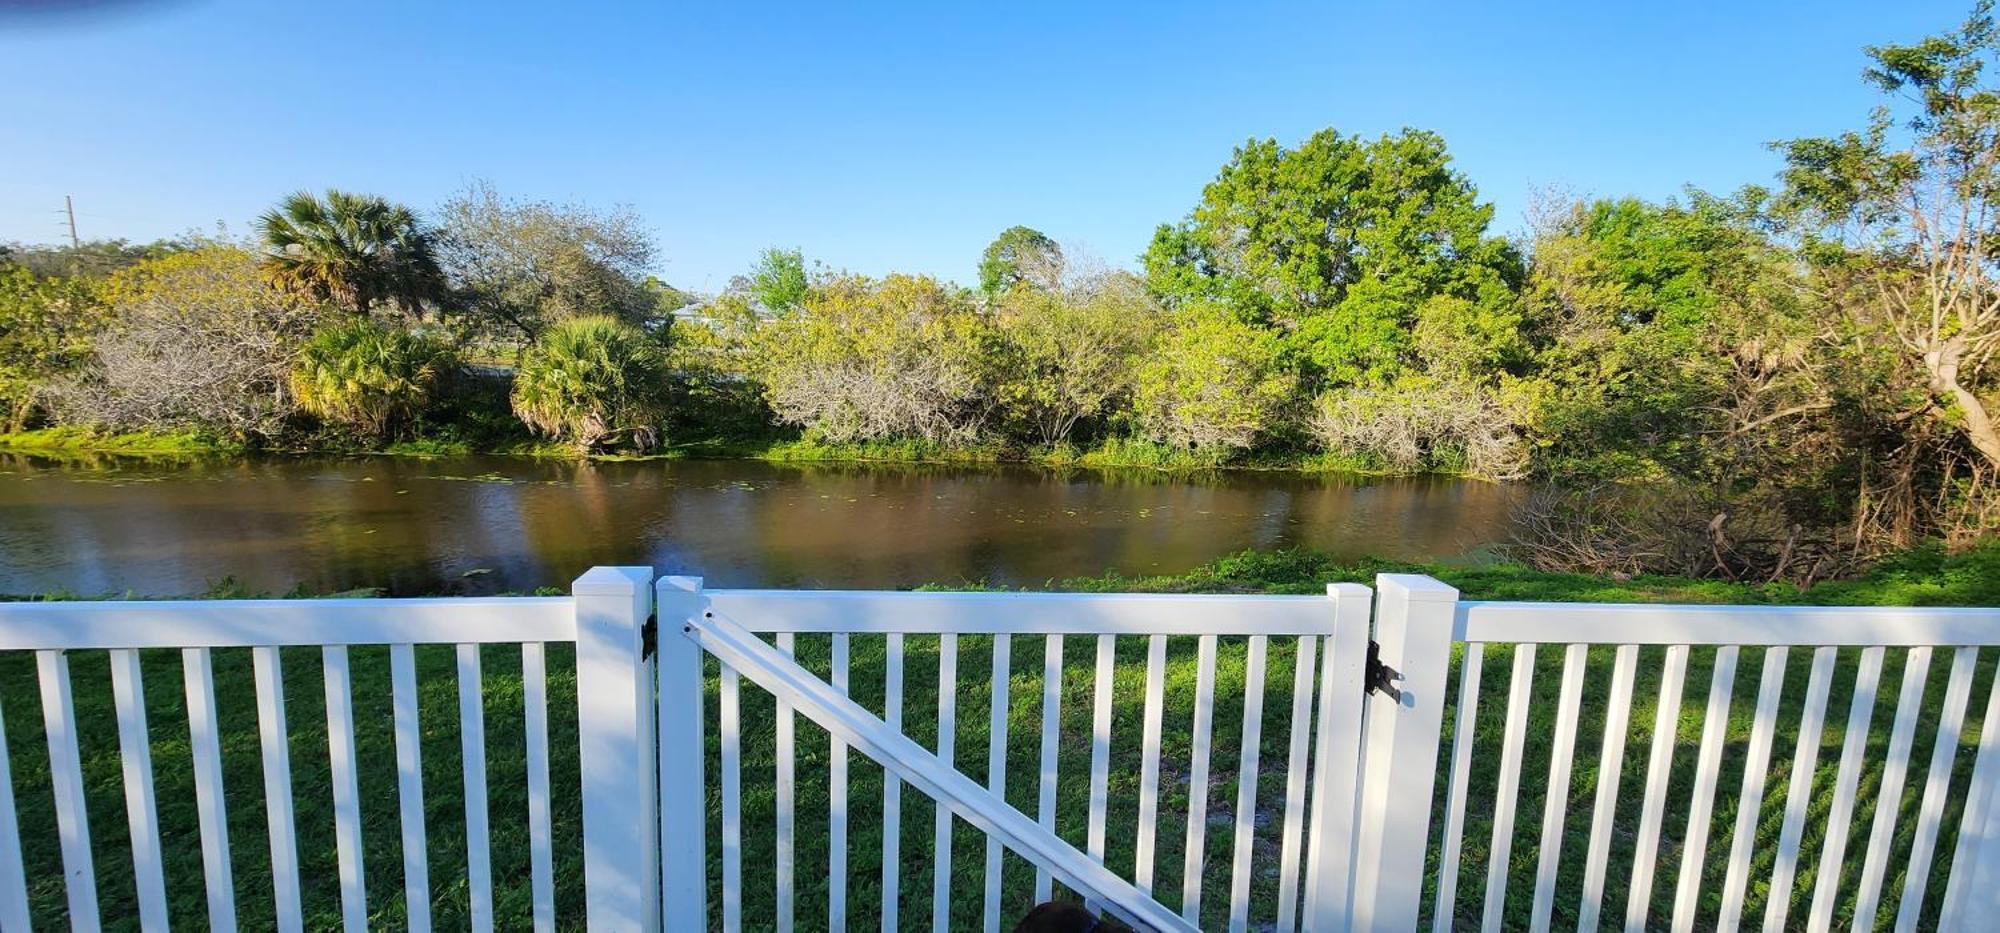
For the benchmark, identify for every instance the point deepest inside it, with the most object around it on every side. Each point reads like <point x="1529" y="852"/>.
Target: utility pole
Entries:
<point x="70" y="206"/>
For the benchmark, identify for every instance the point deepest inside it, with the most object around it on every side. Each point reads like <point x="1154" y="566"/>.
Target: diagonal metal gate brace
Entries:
<point x="770" y="669"/>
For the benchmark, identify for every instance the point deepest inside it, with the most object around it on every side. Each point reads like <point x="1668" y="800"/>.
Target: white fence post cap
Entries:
<point x="1417" y="587"/>
<point x="678" y="584"/>
<point x="612" y="581"/>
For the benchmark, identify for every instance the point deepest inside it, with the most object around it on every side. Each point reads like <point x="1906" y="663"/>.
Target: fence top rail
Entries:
<point x="280" y="622"/>
<point x="869" y="611"/>
<point x="1654" y="624"/>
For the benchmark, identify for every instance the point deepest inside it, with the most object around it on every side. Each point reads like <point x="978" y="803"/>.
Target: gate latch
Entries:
<point x="649" y="638"/>
<point x="1380" y="677"/>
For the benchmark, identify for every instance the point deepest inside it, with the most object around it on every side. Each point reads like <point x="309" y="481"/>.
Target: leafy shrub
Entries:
<point x="860" y="360"/>
<point x="1213" y="382"/>
<point x="195" y="340"/>
<point x="594" y="382"/>
<point x="1070" y="354"/>
<point x="369" y="377"/>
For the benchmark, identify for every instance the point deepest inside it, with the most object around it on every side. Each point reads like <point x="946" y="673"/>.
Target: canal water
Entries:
<point x="494" y="524"/>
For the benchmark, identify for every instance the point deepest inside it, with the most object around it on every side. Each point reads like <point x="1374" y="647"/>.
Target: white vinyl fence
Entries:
<point x="267" y="629"/>
<point x="1768" y="810"/>
<point x="1183" y="762"/>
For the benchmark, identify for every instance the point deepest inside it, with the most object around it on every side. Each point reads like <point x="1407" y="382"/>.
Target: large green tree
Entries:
<point x="1341" y="243"/>
<point x="355" y="250"/>
<point x="1019" y="255"/>
<point x="779" y="282"/>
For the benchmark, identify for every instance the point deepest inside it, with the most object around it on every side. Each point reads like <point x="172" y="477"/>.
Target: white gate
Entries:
<point x="1299" y="802"/>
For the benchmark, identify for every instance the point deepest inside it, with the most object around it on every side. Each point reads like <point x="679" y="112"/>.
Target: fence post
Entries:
<point x="1413" y="628"/>
<point x="614" y="701"/>
<point x="683" y="793"/>
<point x="1336" y="769"/>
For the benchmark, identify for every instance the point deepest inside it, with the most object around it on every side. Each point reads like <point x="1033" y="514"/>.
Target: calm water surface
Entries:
<point x="481" y="525"/>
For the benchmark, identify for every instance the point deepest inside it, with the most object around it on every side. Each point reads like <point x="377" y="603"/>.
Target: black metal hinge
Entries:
<point x="649" y="637"/>
<point x="1380" y="677"/>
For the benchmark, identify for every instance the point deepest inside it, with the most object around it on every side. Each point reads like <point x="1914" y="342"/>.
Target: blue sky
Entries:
<point x="884" y="137"/>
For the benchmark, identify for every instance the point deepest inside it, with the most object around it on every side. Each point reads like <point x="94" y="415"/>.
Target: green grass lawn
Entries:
<point x="1927" y="577"/>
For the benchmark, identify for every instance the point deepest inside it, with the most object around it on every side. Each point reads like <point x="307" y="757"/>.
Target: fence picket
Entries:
<point x="1853" y="746"/>
<point x="1462" y="739"/>
<point x="346" y="786"/>
<point x="1149" y="767"/>
<point x="996" y="769"/>
<point x="135" y="753"/>
<point x="946" y="750"/>
<point x="1805" y="764"/>
<point x="1556" y="805"/>
<point x="13" y="875"/>
<point x="1701" y="805"/>
<point x="1610" y="765"/>
<point x="1246" y="784"/>
<point x="1889" y="790"/>
<point x="836" y="797"/>
<point x="784" y="724"/>
<point x="1500" y="856"/>
<point x="1100" y="745"/>
<point x="1659" y="763"/>
<point x="1045" y="802"/>
<point x="729" y="729"/>
<point x="472" y="744"/>
<point x="1304" y="663"/>
<point x="1968" y="889"/>
<point x="1916" y="877"/>
<point x="410" y="786"/>
<point x="1751" y="799"/>
<point x="268" y="668"/>
<point x="1195" y="859"/>
<point x="892" y="786"/>
<point x="541" y="856"/>
<point x="66" y="770"/>
<point x="1336" y="769"/>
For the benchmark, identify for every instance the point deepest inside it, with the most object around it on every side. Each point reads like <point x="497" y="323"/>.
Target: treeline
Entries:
<point x="1783" y="382"/>
<point x="349" y="320"/>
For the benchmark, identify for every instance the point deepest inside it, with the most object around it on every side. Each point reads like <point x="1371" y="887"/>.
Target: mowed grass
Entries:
<point x="1932" y="580"/>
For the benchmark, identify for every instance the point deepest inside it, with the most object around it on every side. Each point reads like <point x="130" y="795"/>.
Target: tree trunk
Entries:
<point x="1977" y="422"/>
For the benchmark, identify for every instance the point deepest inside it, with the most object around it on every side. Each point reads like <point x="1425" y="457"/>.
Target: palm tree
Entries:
<point x="354" y="249"/>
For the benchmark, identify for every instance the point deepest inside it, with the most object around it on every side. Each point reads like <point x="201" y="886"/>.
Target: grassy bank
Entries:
<point x="57" y="442"/>
<point x="1113" y="454"/>
<point x="1924" y="577"/>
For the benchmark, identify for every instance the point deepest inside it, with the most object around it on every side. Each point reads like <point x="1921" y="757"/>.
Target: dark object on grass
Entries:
<point x="1065" y="917"/>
